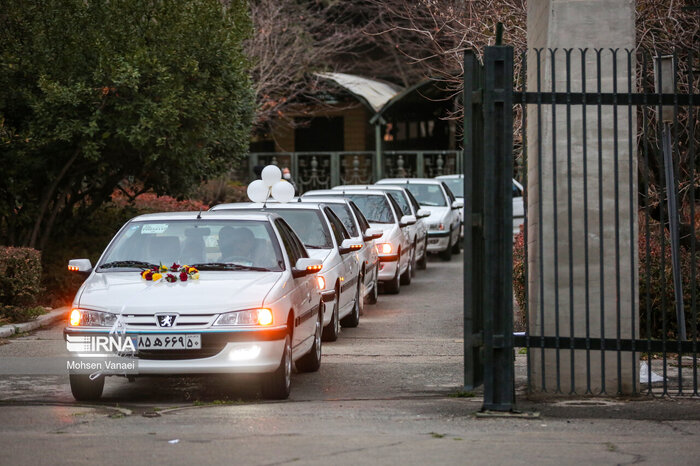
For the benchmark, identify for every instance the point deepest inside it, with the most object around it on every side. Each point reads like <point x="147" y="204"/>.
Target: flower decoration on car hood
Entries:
<point x="175" y="272"/>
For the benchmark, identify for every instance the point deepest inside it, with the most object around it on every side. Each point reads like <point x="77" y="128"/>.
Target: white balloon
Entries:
<point x="271" y="175"/>
<point x="258" y="191"/>
<point x="283" y="191"/>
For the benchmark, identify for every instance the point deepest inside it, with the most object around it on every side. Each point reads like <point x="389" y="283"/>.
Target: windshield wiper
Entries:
<point x="129" y="263"/>
<point x="228" y="266"/>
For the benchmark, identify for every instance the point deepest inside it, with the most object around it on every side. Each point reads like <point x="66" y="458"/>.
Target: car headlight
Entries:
<point x="321" y="282"/>
<point x="384" y="248"/>
<point x="248" y="317"/>
<point x="437" y="226"/>
<point x="88" y="318"/>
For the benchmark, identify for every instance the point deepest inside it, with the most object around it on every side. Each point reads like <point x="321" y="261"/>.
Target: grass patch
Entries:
<point x="436" y="435"/>
<point x="610" y="446"/>
<point x="522" y="351"/>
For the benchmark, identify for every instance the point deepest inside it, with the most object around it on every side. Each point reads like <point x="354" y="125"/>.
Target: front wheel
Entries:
<point x="456" y="248"/>
<point x="374" y="295"/>
<point x="352" y="320"/>
<point x="311" y="362"/>
<point x="332" y="330"/>
<point x="393" y="286"/>
<point x="446" y="255"/>
<point x="422" y="263"/>
<point x="84" y="389"/>
<point x="276" y="386"/>
<point x="408" y="274"/>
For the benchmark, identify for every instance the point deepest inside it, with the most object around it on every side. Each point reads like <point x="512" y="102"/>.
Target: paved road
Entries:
<point x="382" y="396"/>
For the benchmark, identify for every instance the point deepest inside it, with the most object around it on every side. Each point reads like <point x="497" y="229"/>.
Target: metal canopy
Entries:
<point x="371" y="92"/>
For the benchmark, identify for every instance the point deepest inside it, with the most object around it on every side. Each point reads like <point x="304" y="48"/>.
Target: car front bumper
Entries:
<point x="438" y="241"/>
<point x="222" y="352"/>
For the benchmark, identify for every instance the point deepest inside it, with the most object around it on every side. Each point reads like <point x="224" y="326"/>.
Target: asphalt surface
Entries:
<point x="386" y="394"/>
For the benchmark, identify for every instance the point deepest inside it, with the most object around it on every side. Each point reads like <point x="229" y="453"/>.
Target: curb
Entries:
<point x="41" y="321"/>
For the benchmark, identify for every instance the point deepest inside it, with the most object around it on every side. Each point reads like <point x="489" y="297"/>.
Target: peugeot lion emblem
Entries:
<point x="166" y="320"/>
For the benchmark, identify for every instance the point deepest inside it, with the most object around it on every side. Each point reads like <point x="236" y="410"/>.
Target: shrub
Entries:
<point x="20" y="280"/>
<point x="519" y="285"/>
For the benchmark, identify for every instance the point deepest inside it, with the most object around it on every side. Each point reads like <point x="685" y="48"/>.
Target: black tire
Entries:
<point x="331" y="331"/>
<point x="422" y="263"/>
<point x="352" y="320"/>
<point x="414" y="259"/>
<point x="393" y="286"/>
<point x="374" y="295"/>
<point x="408" y="274"/>
<point x="277" y="385"/>
<point x="311" y="361"/>
<point x="84" y="389"/>
<point x="456" y="248"/>
<point x="446" y="255"/>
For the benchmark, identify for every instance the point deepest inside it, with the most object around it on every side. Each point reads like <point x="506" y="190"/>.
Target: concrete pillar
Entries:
<point x="563" y="24"/>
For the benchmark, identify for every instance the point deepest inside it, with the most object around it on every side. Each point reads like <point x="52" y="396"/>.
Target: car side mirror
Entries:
<point x="306" y="266"/>
<point x="423" y="213"/>
<point x="80" y="265"/>
<point x="350" y="245"/>
<point x="372" y="233"/>
<point x="407" y="220"/>
<point x="458" y="204"/>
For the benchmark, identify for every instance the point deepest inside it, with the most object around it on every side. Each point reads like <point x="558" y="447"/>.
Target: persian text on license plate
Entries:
<point x="170" y="342"/>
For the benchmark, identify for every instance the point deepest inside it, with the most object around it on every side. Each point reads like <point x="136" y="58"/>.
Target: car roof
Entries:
<point x="340" y="192"/>
<point x="323" y="199"/>
<point x="270" y="205"/>
<point x="369" y="187"/>
<point x="449" y="177"/>
<point x="206" y="215"/>
<point x="400" y="181"/>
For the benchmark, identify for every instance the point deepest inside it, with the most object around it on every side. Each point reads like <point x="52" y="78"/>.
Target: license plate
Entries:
<point x="170" y="342"/>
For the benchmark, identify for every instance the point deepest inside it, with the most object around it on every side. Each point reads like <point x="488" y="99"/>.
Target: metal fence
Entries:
<point x="606" y="270"/>
<point x="321" y="170"/>
<point x="623" y="129"/>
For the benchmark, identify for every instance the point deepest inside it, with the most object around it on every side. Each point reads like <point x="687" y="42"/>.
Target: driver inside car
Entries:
<point x="236" y="245"/>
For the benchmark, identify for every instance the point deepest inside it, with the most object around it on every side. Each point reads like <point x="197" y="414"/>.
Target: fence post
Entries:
<point x="497" y="229"/>
<point x="335" y="169"/>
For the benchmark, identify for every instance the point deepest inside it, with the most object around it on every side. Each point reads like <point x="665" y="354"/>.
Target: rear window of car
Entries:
<point x="375" y="207"/>
<point x="456" y="185"/>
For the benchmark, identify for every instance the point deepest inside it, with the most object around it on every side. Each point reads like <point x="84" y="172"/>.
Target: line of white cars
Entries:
<point x="250" y="288"/>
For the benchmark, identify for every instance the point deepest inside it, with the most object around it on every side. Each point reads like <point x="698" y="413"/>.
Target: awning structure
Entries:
<point x="373" y="93"/>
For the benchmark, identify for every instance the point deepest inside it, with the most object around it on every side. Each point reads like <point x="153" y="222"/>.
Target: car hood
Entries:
<point x="214" y="292"/>
<point x="318" y="253"/>
<point x="437" y="214"/>
<point x="387" y="229"/>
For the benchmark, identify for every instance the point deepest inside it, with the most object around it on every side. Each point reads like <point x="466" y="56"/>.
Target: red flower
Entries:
<point x="175" y="266"/>
<point x="170" y="278"/>
<point x="183" y="276"/>
<point x="148" y="275"/>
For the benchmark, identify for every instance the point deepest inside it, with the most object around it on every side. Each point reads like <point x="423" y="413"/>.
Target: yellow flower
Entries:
<point x="143" y="274"/>
<point x="195" y="276"/>
<point x="157" y="276"/>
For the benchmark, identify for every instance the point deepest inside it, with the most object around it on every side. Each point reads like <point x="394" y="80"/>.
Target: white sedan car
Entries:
<point x="324" y="236"/>
<point x="444" y="222"/>
<point x="456" y="184"/>
<point x="418" y="232"/>
<point x="358" y="227"/>
<point x="382" y="212"/>
<point x="246" y="301"/>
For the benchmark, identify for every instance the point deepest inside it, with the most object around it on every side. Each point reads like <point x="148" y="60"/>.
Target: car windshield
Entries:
<point x="456" y="185"/>
<point x="374" y="207"/>
<point x="401" y="200"/>
<point x="345" y="216"/>
<point x="427" y="194"/>
<point x="309" y="225"/>
<point x="205" y="244"/>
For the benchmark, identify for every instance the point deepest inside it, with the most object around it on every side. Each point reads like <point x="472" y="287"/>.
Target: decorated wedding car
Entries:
<point x="201" y="293"/>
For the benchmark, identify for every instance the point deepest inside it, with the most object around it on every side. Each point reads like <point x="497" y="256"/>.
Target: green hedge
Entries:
<point x="20" y="280"/>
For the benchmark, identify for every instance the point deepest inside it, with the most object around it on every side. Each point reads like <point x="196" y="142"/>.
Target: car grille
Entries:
<point x="145" y="321"/>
